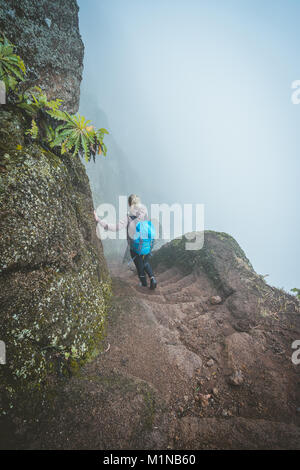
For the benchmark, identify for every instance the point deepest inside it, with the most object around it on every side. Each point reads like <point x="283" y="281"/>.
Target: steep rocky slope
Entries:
<point x="54" y="278"/>
<point x="182" y="371"/>
<point x="202" y="362"/>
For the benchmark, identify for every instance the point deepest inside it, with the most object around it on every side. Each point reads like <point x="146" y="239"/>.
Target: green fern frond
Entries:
<point x="34" y="130"/>
<point x="12" y="66"/>
<point x="73" y="133"/>
<point x="76" y="145"/>
<point x="85" y="148"/>
<point x="56" y="114"/>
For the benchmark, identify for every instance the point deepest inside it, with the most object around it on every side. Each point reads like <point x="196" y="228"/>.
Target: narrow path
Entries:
<point x="131" y="395"/>
<point x="162" y="383"/>
<point x="148" y="343"/>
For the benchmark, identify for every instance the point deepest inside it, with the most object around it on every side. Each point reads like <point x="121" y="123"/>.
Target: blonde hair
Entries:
<point x="133" y="200"/>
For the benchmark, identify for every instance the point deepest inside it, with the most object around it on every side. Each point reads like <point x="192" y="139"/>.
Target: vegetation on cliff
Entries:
<point x="51" y="126"/>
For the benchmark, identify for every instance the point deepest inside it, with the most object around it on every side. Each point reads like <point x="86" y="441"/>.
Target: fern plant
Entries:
<point x="34" y="130"/>
<point x="77" y="135"/>
<point x="49" y="123"/>
<point x="35" y="104"/>
<point x="73" y="133"/>
<point x="35" y="100"/>
<point x="12" y="67"/>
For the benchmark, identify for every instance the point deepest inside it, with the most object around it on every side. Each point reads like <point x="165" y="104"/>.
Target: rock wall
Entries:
<point x="243" y="330"/>
<point x="54" y="280"/>
<point x="190" y="371"/>
<point x="47" y="37"/>
<point x="230" y="273"/>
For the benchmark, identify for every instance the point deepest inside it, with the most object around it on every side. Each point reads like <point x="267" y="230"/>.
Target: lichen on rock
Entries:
<point x="55" y="285"/>
<point x="47" y="37"/>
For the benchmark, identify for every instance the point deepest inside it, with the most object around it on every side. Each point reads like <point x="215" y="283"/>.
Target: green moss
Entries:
<point x="205" y="259"/>
<point x="55" y="284"/>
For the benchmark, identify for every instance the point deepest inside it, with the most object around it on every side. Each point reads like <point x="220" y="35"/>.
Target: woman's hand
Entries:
<point x="96" y="217"/>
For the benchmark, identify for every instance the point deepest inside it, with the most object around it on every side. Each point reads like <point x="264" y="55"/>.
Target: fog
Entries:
<point x="196" y="96"/>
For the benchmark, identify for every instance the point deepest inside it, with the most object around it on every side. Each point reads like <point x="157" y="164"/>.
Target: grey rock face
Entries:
<point x="53" y="275"/>
<point x="48" y="40"/>
<point x="229" y="271"/>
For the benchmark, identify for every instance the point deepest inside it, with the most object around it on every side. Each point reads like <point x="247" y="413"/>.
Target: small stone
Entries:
<point x="236" y="378"/>
<point x="210" y="363"/>
<point x="186" y="398"/>
<point x="204" y="400"/>
<point x="215" y="299"/>
<point x="226" y="413"/>
<point x="215" y="391"/>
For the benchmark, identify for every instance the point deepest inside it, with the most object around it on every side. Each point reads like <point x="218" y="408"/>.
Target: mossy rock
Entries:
<point x="46" y="35"/>
<point x="219" y="254"/>
<point x="55" y="286"/>
<point x="223" y="262"/>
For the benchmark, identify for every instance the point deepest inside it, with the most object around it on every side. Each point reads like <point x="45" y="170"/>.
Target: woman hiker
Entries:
<point x="140" y="237"/>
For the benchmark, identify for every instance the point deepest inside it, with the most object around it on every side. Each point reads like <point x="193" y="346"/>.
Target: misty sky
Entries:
<point x="198" y="96"/>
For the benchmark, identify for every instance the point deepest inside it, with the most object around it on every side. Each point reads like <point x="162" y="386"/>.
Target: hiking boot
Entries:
<point x="153" y="283"/>
<point x="143" y="282"/>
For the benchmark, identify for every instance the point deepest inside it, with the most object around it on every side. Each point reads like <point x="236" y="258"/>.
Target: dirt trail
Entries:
<point x="148" y="342"/>
<point x="164" y="381"/>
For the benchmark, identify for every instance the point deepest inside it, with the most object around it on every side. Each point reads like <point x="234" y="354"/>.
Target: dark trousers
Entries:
<point x="142" y="265"/>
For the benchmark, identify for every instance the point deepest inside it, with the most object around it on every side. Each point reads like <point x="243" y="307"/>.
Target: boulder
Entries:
<point x="47" y="38"/>
<point x="54" y="279"/>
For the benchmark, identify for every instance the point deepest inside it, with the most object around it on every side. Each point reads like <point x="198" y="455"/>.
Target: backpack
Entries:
<point x="143" y="240"/>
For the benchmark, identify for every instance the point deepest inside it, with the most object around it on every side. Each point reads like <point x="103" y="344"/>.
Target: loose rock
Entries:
<point x="236" y="378"/>
<point x="215" y="299"/>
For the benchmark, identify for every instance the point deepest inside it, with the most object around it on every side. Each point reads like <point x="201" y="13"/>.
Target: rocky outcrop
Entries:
<point x="245" y="343"/>
<point x="54" y="280"/>
<point x="204" y="361"/>
<point x="189" y="372"/>
<point x="231" y="275"/>
<point x="47" y="38"/>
